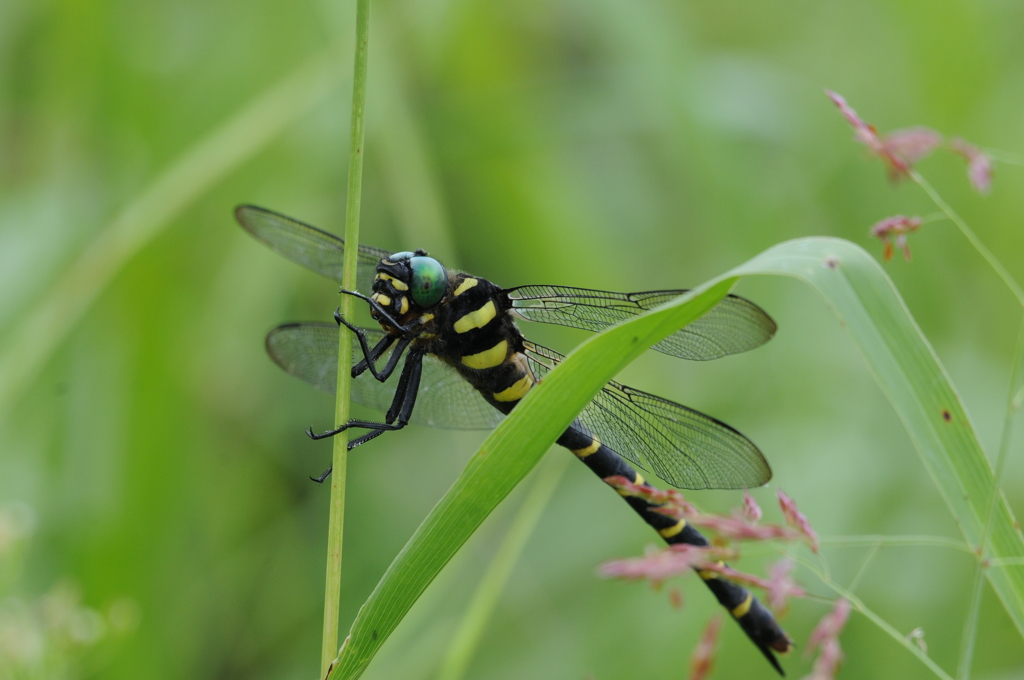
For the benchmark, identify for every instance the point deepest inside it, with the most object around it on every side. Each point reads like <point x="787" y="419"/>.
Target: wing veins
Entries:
<point x="734" y="325"/>
<point x="685" y="447"/>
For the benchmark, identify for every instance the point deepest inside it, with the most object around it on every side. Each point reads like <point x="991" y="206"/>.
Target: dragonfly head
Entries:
<point x="409" y="282"/>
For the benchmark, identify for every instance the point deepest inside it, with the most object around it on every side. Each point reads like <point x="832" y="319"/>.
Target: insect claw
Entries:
<point x="321" y="478"/>
<point x="337" y="315"/>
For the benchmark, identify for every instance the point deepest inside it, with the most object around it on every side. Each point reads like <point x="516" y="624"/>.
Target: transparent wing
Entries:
<point x="310" y="351"/>
<point x="684" y="447"/>
<point x="313" y="248"/>
<point x="734" y="325"/>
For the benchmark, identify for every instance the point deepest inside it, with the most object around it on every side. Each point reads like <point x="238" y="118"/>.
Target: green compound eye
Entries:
<point x="398" y="257"/>
<point x="429" y="281"/>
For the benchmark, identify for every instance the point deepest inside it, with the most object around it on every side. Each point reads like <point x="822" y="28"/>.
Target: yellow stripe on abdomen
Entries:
<point x="583" y="453"/>
<point x="517" y="391"/>
<point x="489" y="358"/>
<point x="743" y="608"/>
<point x="478" y="318"/>
<point x="669" y="532"/>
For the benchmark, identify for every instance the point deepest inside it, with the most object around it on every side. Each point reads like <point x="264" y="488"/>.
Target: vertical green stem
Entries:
<point x="335" y="531"/>
<point x="970" y="632"/>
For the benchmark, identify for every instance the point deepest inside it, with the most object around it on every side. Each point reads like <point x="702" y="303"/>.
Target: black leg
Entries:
<point x="415" y="371"/>
<point x="401" y="391"/>
<point x="369" y="355"/>
<point x="372" y="434"/>
<point x="405" y="398"/>
<point x="377" y="308"/>
<point x="389" y="367"/>
<point x="325" y="475"/>
<point x="351" y="445"/>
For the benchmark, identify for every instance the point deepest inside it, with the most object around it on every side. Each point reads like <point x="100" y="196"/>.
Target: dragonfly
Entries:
<point x="467" y="364"/>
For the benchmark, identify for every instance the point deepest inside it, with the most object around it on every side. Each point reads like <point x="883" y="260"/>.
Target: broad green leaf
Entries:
<point x="867" y="305"/>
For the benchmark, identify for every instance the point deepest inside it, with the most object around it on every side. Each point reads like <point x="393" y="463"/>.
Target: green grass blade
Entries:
<point x="867" y="305"/>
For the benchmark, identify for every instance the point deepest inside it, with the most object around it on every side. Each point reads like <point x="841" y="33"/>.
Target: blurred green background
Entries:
<point x="155" y="464"/>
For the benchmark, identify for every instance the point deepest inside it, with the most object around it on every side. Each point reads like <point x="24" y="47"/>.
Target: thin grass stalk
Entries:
<point x="983" y="250"/>
<point x="336" y="523"/>
<point x="882" y="624"/>
<point x="1007" y="157"/>
<point x="970" y="632"/>
<point x="902" y="540"/>
<point x="1000" y="562"/>
<point x="868" y="558"/>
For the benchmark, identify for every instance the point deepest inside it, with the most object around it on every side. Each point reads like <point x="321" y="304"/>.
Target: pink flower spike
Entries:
<point x="979" y="165"/>
<point x="659" y="565"/>
<point x="751" y="510"/>
<point x="863" y="132"/>
<point x="797" y="519"/>
<point x="912" y="144"/>
<point x="895" y="228"/>
<point x="899" y="150"/>
<point x="830" y="625"/>
<point x="781" y="586"/>
<point x="825" y="638"/>
<point x="671" y="501"/>
<point x="737" y="529"/>
<point x="703" y="658"/>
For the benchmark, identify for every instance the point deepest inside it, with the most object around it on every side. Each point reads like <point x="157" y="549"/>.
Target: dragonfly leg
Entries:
<point x="389" y="367"/>
<point x="377" y="308"/>
<point x="351" y="445"/>
<point x="401" y="406"/>
<point x="325" y="475"/>
<point x="411" y="375"/>
<point x="370" y="356"/>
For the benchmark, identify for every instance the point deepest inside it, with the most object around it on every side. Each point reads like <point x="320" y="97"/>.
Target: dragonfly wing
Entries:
<point x="686" y="448"/>
<point x="310" y="351"/>
<point x="315" y="249"/>
<point x="734" y="325"/>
